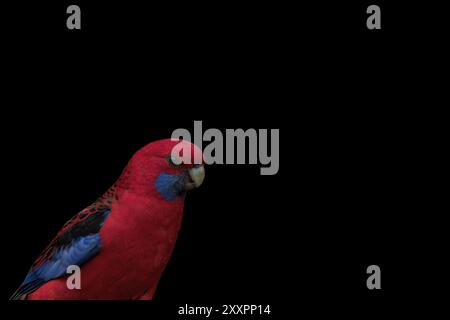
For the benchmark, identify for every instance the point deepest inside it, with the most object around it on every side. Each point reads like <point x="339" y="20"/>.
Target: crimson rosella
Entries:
<point x="123" y="241"/>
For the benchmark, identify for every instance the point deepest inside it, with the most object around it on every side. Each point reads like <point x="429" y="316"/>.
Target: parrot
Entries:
<point x="124" y="240"/>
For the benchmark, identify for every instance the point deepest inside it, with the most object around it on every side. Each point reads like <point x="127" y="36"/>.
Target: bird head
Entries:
<point x="156" y="169"/>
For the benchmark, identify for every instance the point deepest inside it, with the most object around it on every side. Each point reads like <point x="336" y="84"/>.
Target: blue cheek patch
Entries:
<point x="169" y="186"/>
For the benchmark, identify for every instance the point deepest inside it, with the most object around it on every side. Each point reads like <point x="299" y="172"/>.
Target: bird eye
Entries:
<point x="172" y="163"/>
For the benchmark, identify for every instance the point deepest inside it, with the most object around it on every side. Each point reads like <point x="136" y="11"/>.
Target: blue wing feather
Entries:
<point x="81" y="242"/>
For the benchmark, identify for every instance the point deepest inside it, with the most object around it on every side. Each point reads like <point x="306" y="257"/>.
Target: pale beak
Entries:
<point x="197" y="175"/>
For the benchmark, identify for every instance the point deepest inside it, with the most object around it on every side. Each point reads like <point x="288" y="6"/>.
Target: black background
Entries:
<point x="346" y="196"/>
